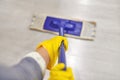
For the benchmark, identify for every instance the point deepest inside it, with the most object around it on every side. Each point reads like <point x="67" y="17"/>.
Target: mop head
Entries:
<point x="82" y="29"/>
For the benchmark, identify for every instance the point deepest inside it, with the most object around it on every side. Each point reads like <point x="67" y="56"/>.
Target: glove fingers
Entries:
<point x="70" y="71"/>
<point x="58" y="71"/>
<point x="61" y="73"/>
<point x="65" y="43"/>
<point x="60" y="66"/>
<point x="58" y="78"/>
<point x="59" y="39"/>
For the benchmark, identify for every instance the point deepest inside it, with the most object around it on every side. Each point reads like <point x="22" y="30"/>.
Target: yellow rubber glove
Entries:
<point x="57" y="73"/>
<point x="52" y="46"/>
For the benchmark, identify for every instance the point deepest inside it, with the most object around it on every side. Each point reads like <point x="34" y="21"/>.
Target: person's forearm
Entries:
<point x="33" y="64"/>
<point x="31" y="67"/>
<point x="27" y="69"/>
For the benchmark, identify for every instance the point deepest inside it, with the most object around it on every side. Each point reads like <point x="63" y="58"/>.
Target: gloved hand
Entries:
<point x="57" y="73"/>
<point x="52" y="46"/>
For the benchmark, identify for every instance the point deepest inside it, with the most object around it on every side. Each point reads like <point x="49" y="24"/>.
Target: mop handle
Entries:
<point x="62" y="57"/>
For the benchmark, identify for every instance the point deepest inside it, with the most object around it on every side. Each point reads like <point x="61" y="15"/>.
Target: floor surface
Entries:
<point x="90" y="60"/>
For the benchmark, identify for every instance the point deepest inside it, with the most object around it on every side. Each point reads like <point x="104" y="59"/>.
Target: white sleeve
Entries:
<point x="39" y="59"/>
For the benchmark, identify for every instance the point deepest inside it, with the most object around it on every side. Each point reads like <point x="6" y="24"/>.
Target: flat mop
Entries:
<point x="64" y="27"/>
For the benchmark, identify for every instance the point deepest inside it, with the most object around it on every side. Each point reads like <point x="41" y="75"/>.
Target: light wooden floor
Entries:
<point x="90" y="60"/>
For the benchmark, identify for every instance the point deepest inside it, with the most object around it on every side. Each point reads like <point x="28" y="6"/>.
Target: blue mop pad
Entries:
<point x="79" y="29"/>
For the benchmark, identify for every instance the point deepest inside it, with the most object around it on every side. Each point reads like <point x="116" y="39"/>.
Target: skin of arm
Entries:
<point x="43" y="52"/>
